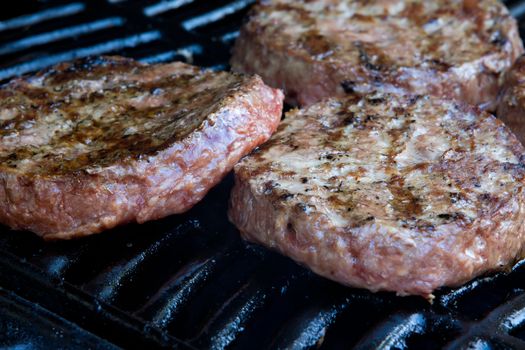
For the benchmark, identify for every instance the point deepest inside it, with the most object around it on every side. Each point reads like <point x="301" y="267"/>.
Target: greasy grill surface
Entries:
<point x="188" y="280"/>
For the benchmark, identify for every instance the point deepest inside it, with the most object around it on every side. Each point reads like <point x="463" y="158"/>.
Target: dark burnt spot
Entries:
<point x="348" y="86"/>
<point x="302" y="207"/>
<point x="421" y="225"/>
<point x="373" y="67"/>
<point x="498" y="39"/>
<point x="375" y="100"/>
<point x="454" y="197"/>
<point x="444" y="216"/>
<point x="449" y="216"/>
<point x="511" y="167"/>
<point x="370" y="218"/>
<point x="485" y="197"/>
<point x="413" y="99"/>
<point x="350" y="119"/>
<point x="365" y="59"/>
<point x="55" y="104"/>
<point x="8" y="125"/>
<point x="304" y="180"/>
<point x="426" y="226"/>
<point x="358" y="121"/>
<point x="155" y="91"/>
<point x="399" y="110"/>
<point x="268" y="187"/>
<point x="286" y="196"/>
<point x="439" y="64"/>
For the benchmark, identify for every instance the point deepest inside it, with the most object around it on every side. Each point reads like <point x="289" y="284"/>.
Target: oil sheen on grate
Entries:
<point x="188" y="281"/>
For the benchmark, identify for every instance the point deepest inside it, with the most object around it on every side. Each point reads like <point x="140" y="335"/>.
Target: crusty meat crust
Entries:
<point x="98" y="142"/>
<point x="387" y="192"/>
<point x="511" y="107"/>
<point x="321" y="48"/>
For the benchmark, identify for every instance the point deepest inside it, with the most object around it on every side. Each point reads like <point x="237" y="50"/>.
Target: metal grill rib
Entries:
<point x="59" y="34"/>
<point x="46" y="15"/>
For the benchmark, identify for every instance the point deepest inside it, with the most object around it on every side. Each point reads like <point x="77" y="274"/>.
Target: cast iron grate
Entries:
<point x="188" y="281"/>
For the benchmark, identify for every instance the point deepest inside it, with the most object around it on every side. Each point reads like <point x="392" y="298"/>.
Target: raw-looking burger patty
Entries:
<point x="319" y="48"/>
<point x="387" y="192"/>
<point x="91" y="144"/>
<point x="511" y="108"/>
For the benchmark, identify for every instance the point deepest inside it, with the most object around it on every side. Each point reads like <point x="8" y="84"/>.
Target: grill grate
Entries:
<point x="188" y="281"/>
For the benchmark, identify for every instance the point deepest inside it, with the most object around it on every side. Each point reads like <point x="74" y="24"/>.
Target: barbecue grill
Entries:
<point x="189" y="281"/>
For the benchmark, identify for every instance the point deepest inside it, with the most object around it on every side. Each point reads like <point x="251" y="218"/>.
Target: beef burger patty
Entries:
<point x="511" y="108"/>
<point x="387" y="192"/>
<point x="319" y="48"/>
<point x="95" y="143"/>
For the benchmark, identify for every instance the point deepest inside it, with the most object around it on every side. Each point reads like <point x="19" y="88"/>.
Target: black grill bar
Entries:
<point x="45" y="15"/>
<point x="59" y="34"/>
<point x="98" y="49"/>
<point x="215" y="15"/>
<point x="164" y="6"/>
<point x="189" y="281"/>
<point x="29" y="320"/>
<point x="175" y="26"/>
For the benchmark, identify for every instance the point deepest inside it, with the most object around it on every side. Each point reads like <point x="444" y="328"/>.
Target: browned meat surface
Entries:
<point x="319" y="48"/>
<point x="387" y="192"/>
<point x="511" y="108"/>
<point x="88" y="145"/>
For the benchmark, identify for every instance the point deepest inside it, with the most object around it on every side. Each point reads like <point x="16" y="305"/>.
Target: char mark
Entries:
<point x="348" y="86"/>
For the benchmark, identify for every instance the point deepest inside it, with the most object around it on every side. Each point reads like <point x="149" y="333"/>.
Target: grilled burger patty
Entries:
<point x="319" y="48"/>
<point x="387" y="192"/>
<point x="511" y="108"/>
<point x="98" y="142"/>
